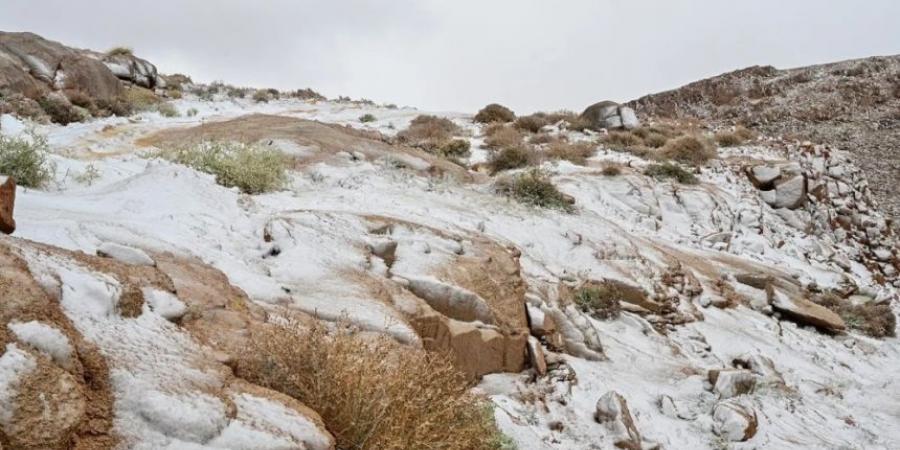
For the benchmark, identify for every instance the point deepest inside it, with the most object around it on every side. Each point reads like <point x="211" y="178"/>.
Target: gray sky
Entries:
<point x="461" y="54"/>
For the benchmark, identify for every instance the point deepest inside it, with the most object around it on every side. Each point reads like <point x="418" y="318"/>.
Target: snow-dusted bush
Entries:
<point x="695" y="150"/>
<point x="510" y="158"/>
<point x="167" y="110"/>
<point x="669" y="170"/>
<point x="25" y="159"/>
<point x="576" y="152"/>
<point x="366" y="118"/>
<point x="534" y="188"/>
<point x="600" y="300"/>
<point x="140" y="99"/>
<point x="869" y="318"/>
<point x="251" y="168"/>
<point x="733" y="138"/>
<point x="499" y="136"/>
<point x="495" y="113"/>
<point x="371" y="392"/>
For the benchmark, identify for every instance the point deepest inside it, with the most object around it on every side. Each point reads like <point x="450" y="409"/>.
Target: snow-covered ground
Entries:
<point x="825" y="391"/>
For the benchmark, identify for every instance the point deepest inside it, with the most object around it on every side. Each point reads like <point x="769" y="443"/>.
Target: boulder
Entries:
<point x="134" y="70"/>
<point x="7" y="204"/>
<point x="790" y="193"/>
<point x="734" y="421"/>
<point x="764" y="175"/>
<point x="612" y="411"/>
<point x="33" y="66"/>
<point x="611" y="116"/>
<point x="731" y="383"/>
<point x="805" y="312"/>
<point x="536" y="356"/>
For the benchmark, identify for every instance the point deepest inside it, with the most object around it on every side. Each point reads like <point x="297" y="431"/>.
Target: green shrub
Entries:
<point x="509" y="158"/>
<point x="669" y="170"/>
<point x="455" y="149"/>
<point x="599" y="300"/>
<point x="139" y="99"/>
<point x="26" y="160"/>
<point x="251" y="168"/>
<point x="261" y="96"/>
<point x="534" y="188"/>
<point x="494" y="113"/>
<point x="192" y="112"/>
<point x="366" y="118"/>
<point x="695" y="150"/>
<point x="167" y="110"/>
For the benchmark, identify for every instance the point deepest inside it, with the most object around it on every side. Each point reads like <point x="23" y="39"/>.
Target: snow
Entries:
<point x="15" y="364"/>
<point x="123" y="253"/>
<point x="628" y="228"/>
<point x="46" y="339"/>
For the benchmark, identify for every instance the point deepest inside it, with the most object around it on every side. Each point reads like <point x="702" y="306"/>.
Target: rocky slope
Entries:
<point x="127" y="296"/>
<point x="851" y="105"/>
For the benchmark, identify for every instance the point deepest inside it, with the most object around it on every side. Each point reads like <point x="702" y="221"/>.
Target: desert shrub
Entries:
<point x="167" y="110"/>
<point x="428" y="132"/>
<point x="60" y="111"/>
<point x="870" y="319"/>
<point x="534" y="188"/>
<point x="577" y="152"/>
<point x="372" y="393"/>
<point x="510" y="158"/>
<point x="140" y="99"/>
<point x="734" y="137"/>
<point x="251" y="168"/>
<point x="622" y="140"/>
<point x="669" y="170"/>
<point x="366" y="118"/>
<point x="177" y="81"/>
<point x="25" y="159"/>
<point x="495" y="113"/>
<point x="237" y="92"/>
<point x="546" y="138"/>
<point x="261" y="96"/>
<point x="501" y="136"/>
<point x="120" y="51"/>
<point x="578" y="123"/>
<point x="532" y="123"/>
<point x="694" y="150"/>
<point x="174" y="93"/>
<point x="455" y="149"/>
<point x="599" y="300"/>
<point x="192" y="112"/>
<point x="611" y="170"/>
<point x="90" y="174"/>
<point x="22" y="106"/>
<point x="306" y="94"/>
<point x="118" y="107"/>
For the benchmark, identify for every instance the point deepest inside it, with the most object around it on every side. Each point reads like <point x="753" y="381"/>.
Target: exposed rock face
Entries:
<point x="34" y="66"/>
<point x="734" y="421"/>
<point x="611" y="116"/>
<point x="731" y="383"/>
<point x="805" y="311"/>
<point x="134" y="70"/>
<point x="783" y="185"/>
<point x="851" y="105"/>
<point x="7" y="204"/>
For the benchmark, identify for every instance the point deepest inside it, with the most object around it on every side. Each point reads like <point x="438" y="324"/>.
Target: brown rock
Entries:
<point x="536" y="356"/>
<point x="612" y="411"/>
<point x="731" y="383"/>
<point x="734" y="421"/>
<point x="805" y="312"/>
<point x="7" y="204"/>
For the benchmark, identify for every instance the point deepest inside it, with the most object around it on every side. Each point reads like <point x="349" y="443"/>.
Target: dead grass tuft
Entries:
<point x="611" y="169"/>
<point x="577" y="152"/>
<point x="694" y="150"/>
<point x="372" y="393"/>
<point x="510" y="158"/>
<point x="600" y="300"/>
<point x="532" y="123"/>
<point x="870" y="319"/>
<point x="502" y="136"/>
<point x="431" y="133"/>
<point x="734" y="137"/>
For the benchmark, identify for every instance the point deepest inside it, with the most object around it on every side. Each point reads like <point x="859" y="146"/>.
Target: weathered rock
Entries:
<point x="610" y="115"/>
<point x="763" y="176"/>
<point x="536" y="356"/>
<point x="133" y="69"/>
<point x="612" y="411"/>
<point x="7" y="204"/>
<point x="734" y="421"/>
<point x="760" y="366"/>
<point x="731" y="383"/>
<point x="790" y="193"/>
<point x="805" y="311"/>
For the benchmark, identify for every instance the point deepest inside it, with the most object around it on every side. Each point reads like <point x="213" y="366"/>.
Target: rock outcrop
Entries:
<point x="134" y="70"/>
<point x="612" y="411"/>
<point x="734" y="421"/>
<point x="611" y="116"/>
<point x="7" y="204"/>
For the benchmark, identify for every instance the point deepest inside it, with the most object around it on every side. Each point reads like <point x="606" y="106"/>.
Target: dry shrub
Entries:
<point x="262" y="96"/>
<point x="600" y="300"/>
<point x="455" y="149"/>
<point x="578" y="123"/>
<point x="81" y="99"/>
<point x="372" y="393"/>
<point x="695" y="150"/>
<point x="140" y="99"/>
<point x="120" y="51"/>
<point x="60" y="111"/>
<point x="501" y="136"/>
<point x="669" y="170"/>
<point x="733" y="138"/>
<point x="534" y="188"/>
<point x="495" y="113"/>
<point x="577" y="152"/>
<point x="510" y="158"/>
<point x="532" y="123"/>
<point x="546" y="138"/>
<point x="167" y="110"/>
<point x="611" y="169"/>
<point x="870" y="319"/>
<point x="429" y="132"/>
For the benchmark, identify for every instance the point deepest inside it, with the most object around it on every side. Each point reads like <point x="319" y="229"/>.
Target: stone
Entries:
<point x="610" y="115"/>
<point x="804" y="311"/>
<point x="763" y="176"/>
<point x="612" y="411"/>
<point x="732" y="382"/>
<point x="734" y="421"/>
<point x="536" y="356"/>
<point x="790" y="193"/>
<point x="133" y="69"/>
<point x="7" y="204"/>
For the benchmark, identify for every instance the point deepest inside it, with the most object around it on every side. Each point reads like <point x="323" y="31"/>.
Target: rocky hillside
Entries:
<point x="851" y="105"/>
<point x="603" y="281"/>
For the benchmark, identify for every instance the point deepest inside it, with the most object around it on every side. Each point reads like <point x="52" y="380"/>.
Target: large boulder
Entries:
<point x="804" y="311"/>
<point x="135" y="70"/>
<point x="32" y="66"/>
<point x="612" y="411"/>
<point x="611" y="116"/>
<point x="7" y="204"/>
<point x="731" y="383"/>
<point x="734" y="421"/>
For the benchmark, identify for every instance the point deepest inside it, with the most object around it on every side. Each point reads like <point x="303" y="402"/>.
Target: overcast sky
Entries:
<point x="461" y="54"/>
